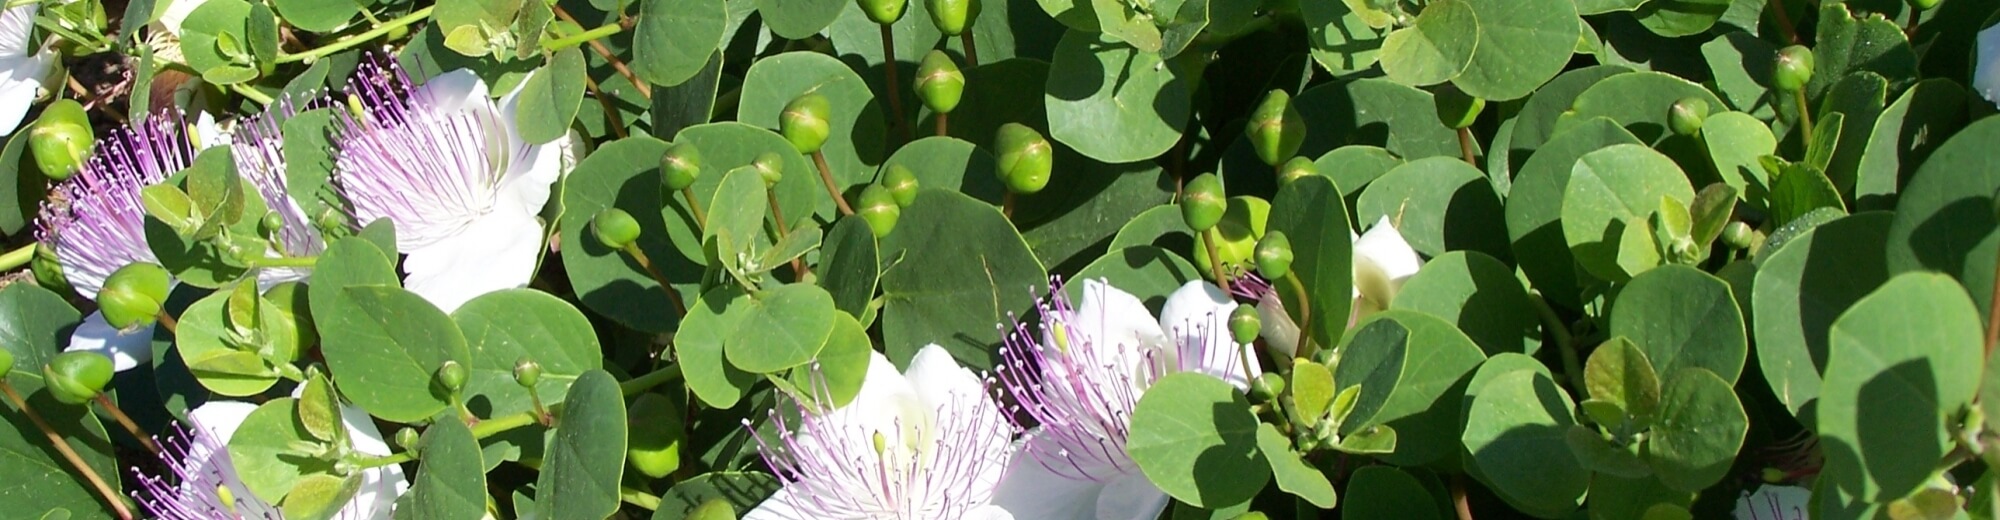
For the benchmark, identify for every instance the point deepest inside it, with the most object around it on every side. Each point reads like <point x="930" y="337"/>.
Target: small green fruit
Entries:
<point x="680" y="166"/>
<point x="1274" y="255"/>
<point x="1737" y="235"/>
<point x="1276" y="129"/>
<point x="939" y="82"/>
<point x="408" y="438"/>
<point x="527" y="372"/>
<point x="902" y="183"/>
<point x="657" y="429"/>
<point x="75" y="377"/>
<point x="6" y="363"/>
<point x="1202" y="203"/>
<point x="1295" y="169"/>
<point x="1244" y="324"/>
<point x="806" y="122"/>
<point x="1455" y="108"/>
<point x="1253" y="515"/>
<point x="771" y="167"/>
<point x="1268" y="386"/>
<point x="48" y="270"/>
<point x="1687" y="116"/>
<point x="61" y="139"/>
<point x="1025" y="158"/>
<point x="133" y="295"/>
<point x="883" y="12"/>
<point x="952" y="17"/>
<point x="615" y="228"/>
<point x="1924" y="5"/>
<point x="716" y="508"/>
<point x="879" y="209"/>
<point x="1794" y="69"/>
<point x="451" y="376"/>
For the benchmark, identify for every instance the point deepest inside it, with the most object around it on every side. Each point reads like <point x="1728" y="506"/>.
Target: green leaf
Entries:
<point x="1342" y="41"/>
<point x="317" y="15"/>
<point x="1478" y="294"/>
<point x="1522" y="44"/>
<point x="1148" y="272"/>
<point x="1386" y="493"/>
<point x="204" y="29"/>
<point x="1312" y="392"/>
<point x="1700" y="429"/>
<point x="1680" y="317"/>
<point x="25" y="184"/>
<point x="783" y="328"/>
<point x="699" y="346"/>
<point x="1677" y="18"/>
<point x="1438" y="204"/>
<point x="736" y="219"/>
<point x="1859" y="99"/>
<point x="841" y="365"/>
<point x="1534" y="208"/>
<point x="1352" y="167"/>
<point x="1434" y="50"/>
<point x="1194" y="436"/>
<point x="215" y="353"/>
<point x="264" y="449"/>
<point x="1797" y="189"/>
<point x="856" y="144"/>
<point x="384" y="346"/>
<point x="319" y="496"/>
<point x="451" y="479"/>
<point x="1140" y="116"/>
<point x="625" y="174"/>
<point x="1312" y="215"/>
<point x="504" y="327"/>
<point x="1902" y="139"/>
<point x="1371" y="357"/>
<point x="586" y="454"/>
<point x="674" y="38"/>
<point x="677" y="107"/>
<point x="1292" y="473"/>
<point x="33" y="475"/>
<point x="1434" y="356"/>
<point x="1610" y="189"/>
<point x="1945" y="219"/>
<point x="1538" y="119"/>
<point x="1619" y="374"/>
<point x="1631" y="497"/>
<point x="1601" y="456"/>
<point x="952" y="270"/>
<point x="1514" y="433"/>
<point x="1639" y="101"/>
<point x="550" y="97"/>
<point x="1891" y="387"/>
<point x="1846" y="44"/>
<point x="1735" y="142"/>
<point x="743" y="491"/>
<point x="850" y="265"/>
<point x="319" y="409"/>
<point x="952" y="164"/>
<point x="1740" y="63"/>
<point x="347" y="262"/>
<point x="1799" y="291"/>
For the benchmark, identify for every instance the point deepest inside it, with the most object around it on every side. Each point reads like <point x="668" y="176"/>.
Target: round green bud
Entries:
<point x="527" y="372"/>
<point x="939" y="82"/>
<point x="407" y="438"/>
<point x="76" y="376"/>
<point x="1025" y="158"/>
<point x="1295" y="169"/>
<point x="1276" y="129"/>
<point x="1687" y="116"/>
<point x="653" y="446"/>
<point x="1738" y="235"/>
<point x="61" y="139"/>
<point x="717" y="508"/>
<point x="1253" y="515"/>
<point x="883" y="12"/>
<point x="615" y="228"/>
<point x="1267" y="386"/>
<point x="902" y="183"/>
<point x="1794" y="69"/>
<point x="1455" y="108"/>
<point x="1924" y="5"/>
<point x="133" y="295"/>
<point x="1274" y="255"/>
<point x="771" y="167"/>
<point x="806" y="122"/>
<point x="48" y="270"/>
<point x="680" y="166"/>
<point x="952" y="17"/>
<point x="1244" y="324"/>
<point x="451" y="376"/>
<point x="1202" y="203"/>
<point x="271" y="225"/>
<point x="6" y="363"/>
<point x="879" y="209"/>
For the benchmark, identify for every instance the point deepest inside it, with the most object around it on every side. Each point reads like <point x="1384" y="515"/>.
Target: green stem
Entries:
<point x="644" y="500"/>
<point x="376" y="462"/>
<point x="504" y="423"/>
<point x="351" y="41"/>
<point x="88" y="41"/>
<point x="1306" y="344"/>
<point x="18" y="257"/>
<point x="1209" y="239"/>
<point x="582" y="37"/>
<point x="69" y="454"/>
<point x="1805" y="116"/>
<point x="1565" y="344"/>
<point x="646" y="382"/>
<point x="251" y="93"/>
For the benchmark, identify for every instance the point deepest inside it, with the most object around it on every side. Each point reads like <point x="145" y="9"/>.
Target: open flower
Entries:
<point x="1080" y="378"/>
<point x="1382" y="262"/>
<point x="201" y="482"/>
<point x="259" y="150"/>
<point x="928" y="443"/>
<point x="23" y="65"/>
<point x="96" y="223"/>
<point x="1986" y="77"/>
<point x="446" y="165"/>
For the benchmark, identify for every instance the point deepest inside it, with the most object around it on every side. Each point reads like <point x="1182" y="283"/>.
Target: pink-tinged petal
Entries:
<point x="1031" y="490"/>
<point x="452" y="92"/>
<point x="221" y="418"/>
<point x="1197" y="316"/>
<point x="938" y="379"/>
<point x="989" y="513"/>
<point x="497" y="251"/>
<point x="177" y="12"/>
<point x="1107" y="315"/>
<point x="17" y="29"/>
<point x="1276" y="328"/>
<point x="1131" y="497"/>
<point x="127" y="349"/>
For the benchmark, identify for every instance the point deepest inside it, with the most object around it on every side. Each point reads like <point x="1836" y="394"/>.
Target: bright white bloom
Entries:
<point x="199" y="469"/>
<point x="23" y="65"/>
<point x="446" y="165"/>
<point x="1382" y="262"/>
<point x="1986" y="77"/>
<point x="1081" y="375"/>
<point x="259" y="150"/>
<point x="929" y="443"/>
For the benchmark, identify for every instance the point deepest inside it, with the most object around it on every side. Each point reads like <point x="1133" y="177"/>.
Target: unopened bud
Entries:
<point x="1455" y="108"/>
<point x="717" y="508"/>
<point x="902" y="183"/>
<point x="1202" y="203"/>
<point x="939" y="82"/>
<point x="48" y="270"/>
<point x="1794" y="69"/>
<point x="883" y="12"/>
<point x="1244" y="324"/>
<point x="527" y="372"/>
<point x="407" y="438"/>
<point x="1737" y="235"/>
<point x="451" y="376"/>
<point x="1687" y="115"/>
<point x="615" y="228"/>
<point x="680" y="166"/>
<point x="133" y="295"/>
<point x="657" y="429"/>
<point x="1924" y="5"/>
<point x="806" y="121"/>
<point x="952" y="17"/>
<point x="879" y="209"/>
<point x="76" y="376"/>
<point x="1268" y="386"/>
<point x="1276" y="129"/>
<point x="1274" y="255"/>
<point x="1295" y="169"/>
<point x="771" y="167"/>
<point x="61" y="139"/>
<point x="1025" y="158"/>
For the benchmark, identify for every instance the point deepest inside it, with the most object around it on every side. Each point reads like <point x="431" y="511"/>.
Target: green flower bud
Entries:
<point x="407" y="438"/>
<point x="654" y="444"/>
<point x="1295" y="169"/>
<point x="1253" y="515"/>
<point x="879" y="209"/>
<point x="48" y="270"/>
<point x="1025" y="158"/>
<point x="680" y="166"/>
<point x="771" y="167"/>
<point x="6" y="363"/>
<point x="1794" y="69"/>
<point x="1687" y="116"/>
<point x="527" y="372"/>
<point x="1274" y="255"/>
<point x="1924" y="5"/>
<point x="1455" y="108"/>
<point x="952" y="17"/>
<point x="901" y="183"/>
<point x="1202" y="203"/>
<point x="882" y="12"/>
<point x="133" y="295"/>
<point x="615" y="228"/>
<point x="1276" y="129"/>
<point x="717" y="508"/>
<point x="75" y="377"/>
<point x="451" y="377"/>
<point x="61" y="139"/>
<point x="270" y="225"/>
<point x="939" y="83"/>
<point x="1244" y="324"/>
<point x="806" y="121"/>
<point x="1737" y="235"/>
<point x="1268" y="386"/>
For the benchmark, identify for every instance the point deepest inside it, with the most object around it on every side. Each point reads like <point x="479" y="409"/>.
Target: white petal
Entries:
<point x="1986" y="76"/>
<point x="530" y="174"/>
<point x="177" y="12"/>
<point x="452" y="92"/>
<point x="1773" y="502"/>
<point x="1131" y="497"/>
<point x="885" y="403"/>
<point x="1030" y="490"/>
<point x="1109" y="316"/>
<point x="988" y="513"/>
<point x="126" y="349"/>
<point x="221" y="418"/>
<point x="781" y="506"/>
<point x="209" y="133"/>
<point x="938" y="379"/>
<point x="1384" y="247"/>
<point x="1197" y="315"/>
<point x="20" y="83"/>
<point x="1276" y="327"/>
<point x="497" y="251"/>
<point x="16" y="27"/>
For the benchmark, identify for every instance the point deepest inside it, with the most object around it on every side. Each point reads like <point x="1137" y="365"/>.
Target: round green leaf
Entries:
<point x="1945" y="220"/>
<point x="1434" y="50"/>
<point x="1800" y="290"/>
<point x="451" y="480"/>
<point x="795" y="20"/>
<point x="674" y="38"/>
<point x="1682" y="317"/>
<point x="262" y="449"/>
<point x="1353" y="167"/>
<point x="1145" y="271"/>
<point x="1677" y="18"/>
<point x="1386" y="493"/>
<point x="1610" y="189"/>
<point x="952" y="269"/>
<point x="586" y="454"/>
<point x="783" y="328"/>
<point x="1194" y="436"/>
<point x="1537" y="120"/>
<point x="316" y="15"/>
<point x="1406" y="362"/>
<point x="1114" y="103"/>
<point x="699" y="346"/>
<point x="1639" y="101"/>
<point x="850" y="265"/>
<point x="1700" y="429"/>
<point x="1898" y="145"/>
<point x="1439" y="204"/>
<point x="33" y="326"/>
<point x="204" y="338"/>
<point x="1522" y="44"/>
<point x="505" y="327"/>
<point x="1293" y="474"/>
<point x="857" y="134"/>
<point x="1342" y="41"/>
<point x="384" y="346"/>
<point x="1735" y="142"/>
<point x="624" y="174"/>
<point x="743" y="490"/>
<point x="1312" y="215"/>
<point x="1514" y="433"/>
<point x="549" y="99"/>
<point x="951" y="164"/>
<point x="1481" y="296"/>
<point x="207" y="26"/>
<point x="1534" y="209"/>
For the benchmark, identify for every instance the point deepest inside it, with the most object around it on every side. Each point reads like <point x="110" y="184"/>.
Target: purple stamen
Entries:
<point x="95" y="220"/>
